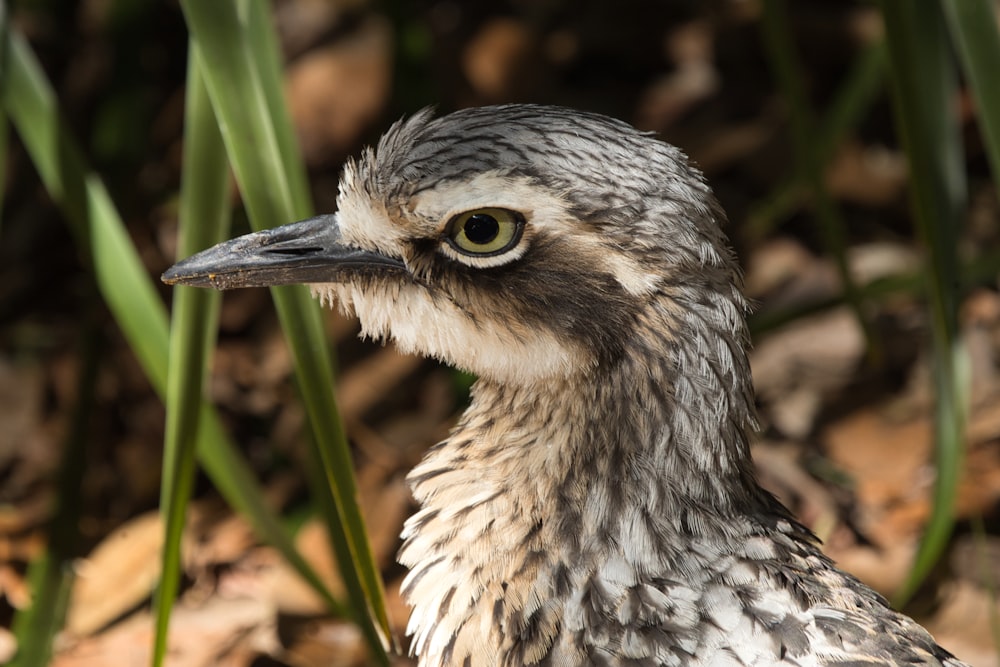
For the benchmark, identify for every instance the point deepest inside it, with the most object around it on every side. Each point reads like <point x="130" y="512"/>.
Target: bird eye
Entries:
<point x="485" y="231"/>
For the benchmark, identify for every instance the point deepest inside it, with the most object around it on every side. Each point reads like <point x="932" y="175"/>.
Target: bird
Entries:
<point x="596" y="503"/>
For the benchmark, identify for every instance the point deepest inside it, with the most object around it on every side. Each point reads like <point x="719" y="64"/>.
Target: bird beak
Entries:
<point x="309" y="251"/>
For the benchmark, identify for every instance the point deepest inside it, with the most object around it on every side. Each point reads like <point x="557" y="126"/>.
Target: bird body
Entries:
<point x="596" y="503"/>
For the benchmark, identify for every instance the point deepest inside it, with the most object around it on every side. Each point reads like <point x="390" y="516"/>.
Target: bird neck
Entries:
<point x="638" y="467"/>
<point x="664" y="425"/>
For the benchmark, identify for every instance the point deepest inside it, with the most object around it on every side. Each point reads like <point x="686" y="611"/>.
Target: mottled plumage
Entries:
<point x="596" y="504"/>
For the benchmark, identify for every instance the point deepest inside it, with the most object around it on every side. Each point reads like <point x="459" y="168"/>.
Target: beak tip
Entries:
<point x="309" y="251"/>
<point x="186" y="272"/>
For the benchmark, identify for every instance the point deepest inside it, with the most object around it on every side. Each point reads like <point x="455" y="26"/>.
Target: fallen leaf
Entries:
<point x="335" y="91"/>
<point x="118" y="574"/>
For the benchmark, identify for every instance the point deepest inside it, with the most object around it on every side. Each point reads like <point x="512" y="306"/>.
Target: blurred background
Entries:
<point x="787" y="107"/>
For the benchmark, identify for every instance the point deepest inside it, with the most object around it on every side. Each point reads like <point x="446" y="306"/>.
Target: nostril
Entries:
<point x="299" y="251"/>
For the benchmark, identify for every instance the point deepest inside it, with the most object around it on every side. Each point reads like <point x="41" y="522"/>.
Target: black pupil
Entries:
<point x="481" y="228"/>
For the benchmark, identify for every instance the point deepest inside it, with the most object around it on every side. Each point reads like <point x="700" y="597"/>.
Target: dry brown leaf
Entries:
<point x="882" y="259"/>
<point x="27" y="513"/>
<point x="397" y="608"/>
<point x="797" y="367"/>
<point x="335" y="91"/>
<point x="776" y="263"/>
<point x="217" y="540"/>
<point x="888" y="462"/>
<point x="200" y="636"/>
<point x="285" y="588"/>
<point x="963" y="624"/>
<point x="884" y="568"/>
<point x="867" y="175"/>
<point x="313" y="642"/>
<point x="8" y="646"/>
<point x="984" y="424"/>
<point x="494" y="56"/>
<point x="780" y="473"/>
<point x="124" y="568"/>
<point x="14" y="587"/>
<point x="303" y="22"/>
<point x="399" y="441"/>
<point x="385" y="508"/>
<point x="365" y="383"/>
<point x="979" y="491"/>
<point x="731" y="144"/>
<point x="21" y="398"/>
<point x="119" y="573"/>
<point x="694" y="78"/>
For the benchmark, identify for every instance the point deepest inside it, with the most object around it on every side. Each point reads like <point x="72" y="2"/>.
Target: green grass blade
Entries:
<point x="987" y="577"/>
<point x="4" y="153"/>
<point x="973" y="27"/>
<point x="810" y="161"/>
<point x="861" y="86"/>
<point x="3" y="157"/>
<point x="125" y="285"/>
<point x="267" y="63"/>
<point x="237" y="484"/>
<point x="51" y="580"/>
<point x="240" y="71"/>
<point x="204" y="219"/>
<point x="120" y="275"/>
<point x="330" y="446"/>
<point x="924" y="88"/>
<point x="51" y="576"/>
<point x="853" y="98"/>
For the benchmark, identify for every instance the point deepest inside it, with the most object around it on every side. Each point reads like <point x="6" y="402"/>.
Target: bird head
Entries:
<point x="522" y="243"/>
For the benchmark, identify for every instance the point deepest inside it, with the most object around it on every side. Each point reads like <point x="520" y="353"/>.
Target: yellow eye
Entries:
<point x="485" y="231"/>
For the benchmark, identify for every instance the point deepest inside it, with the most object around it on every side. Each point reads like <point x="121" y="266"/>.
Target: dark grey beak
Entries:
<point x="302" y="252"/>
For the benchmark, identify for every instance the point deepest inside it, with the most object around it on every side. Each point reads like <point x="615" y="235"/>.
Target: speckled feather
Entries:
<point x="596" y="504"/>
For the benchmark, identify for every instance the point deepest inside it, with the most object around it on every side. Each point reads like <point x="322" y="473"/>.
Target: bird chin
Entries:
<point x="419" y="324"/>
<point x="329" y="296"/>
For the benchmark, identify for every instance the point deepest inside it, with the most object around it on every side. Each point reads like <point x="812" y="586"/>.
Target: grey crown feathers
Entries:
<point x="596" y="504"/>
